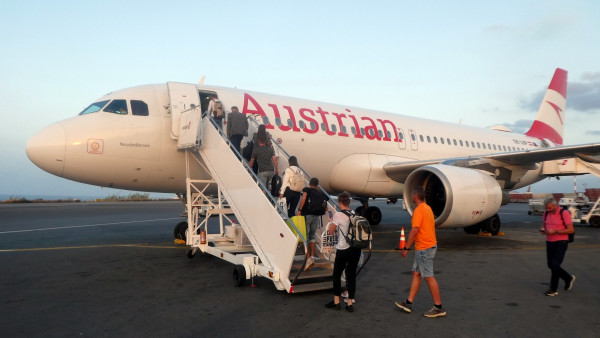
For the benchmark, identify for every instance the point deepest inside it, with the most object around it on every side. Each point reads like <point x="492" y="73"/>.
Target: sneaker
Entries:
<point x="569" y="284"/>
<point x="344" y="294"/>
<point x="551" y="293"/>
<point x="309" y="263"/>
<point x="333" y="305"/>
<point x="404" y="306"/>
<point x="346" y="300"/>
<point x="349" y="308"/>
<point x="435" y="312"/>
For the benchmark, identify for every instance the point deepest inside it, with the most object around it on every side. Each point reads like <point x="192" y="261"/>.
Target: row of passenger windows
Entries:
<point x="139" y="108"/>
<point x="434" y="139"/>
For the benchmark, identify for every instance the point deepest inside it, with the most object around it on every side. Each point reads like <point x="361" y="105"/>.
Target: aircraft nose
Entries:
<point x="46" y="149"/>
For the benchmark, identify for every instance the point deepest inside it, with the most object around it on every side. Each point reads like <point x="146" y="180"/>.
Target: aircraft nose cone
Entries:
<point x="46" y="149"/>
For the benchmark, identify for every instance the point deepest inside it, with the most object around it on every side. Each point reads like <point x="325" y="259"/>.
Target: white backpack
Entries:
<point x="297" y="180"/>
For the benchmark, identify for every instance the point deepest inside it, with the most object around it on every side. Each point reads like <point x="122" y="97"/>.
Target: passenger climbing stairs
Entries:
<point x="253" y="232"/>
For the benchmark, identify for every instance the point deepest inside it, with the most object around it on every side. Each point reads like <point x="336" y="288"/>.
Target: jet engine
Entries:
<point x="459" y="197"/>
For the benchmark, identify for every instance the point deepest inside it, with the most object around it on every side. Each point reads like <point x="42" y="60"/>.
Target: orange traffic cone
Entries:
<point x="402" y="242"/>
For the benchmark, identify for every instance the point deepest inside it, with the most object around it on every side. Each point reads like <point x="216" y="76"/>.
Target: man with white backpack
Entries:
<point x="292" y="184"/>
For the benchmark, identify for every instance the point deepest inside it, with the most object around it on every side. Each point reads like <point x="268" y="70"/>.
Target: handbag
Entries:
<point x="300" y="223"/>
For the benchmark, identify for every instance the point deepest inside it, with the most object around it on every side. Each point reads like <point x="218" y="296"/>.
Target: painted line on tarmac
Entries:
<point x="141" y="245"/>
<point x="571" y="246"/>
<point x="88" y="225"/>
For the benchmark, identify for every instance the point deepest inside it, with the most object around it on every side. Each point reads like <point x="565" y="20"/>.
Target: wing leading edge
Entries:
<point x="399" y="171"/>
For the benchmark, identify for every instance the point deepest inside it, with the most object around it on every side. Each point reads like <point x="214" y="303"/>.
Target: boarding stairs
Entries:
<point x="254" y="232"/>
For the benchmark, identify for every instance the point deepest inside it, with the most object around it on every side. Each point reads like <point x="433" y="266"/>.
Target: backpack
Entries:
<point x="219" y="112"/>
<point x="359" y="234"/>
<point x="275" y="185"/>
<point x="571" y="235"/>
<point x="316" y="202"/>
<point x="297" y="180"/>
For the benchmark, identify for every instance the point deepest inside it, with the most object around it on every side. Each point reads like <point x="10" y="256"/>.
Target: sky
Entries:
<point x="474" y="62"/>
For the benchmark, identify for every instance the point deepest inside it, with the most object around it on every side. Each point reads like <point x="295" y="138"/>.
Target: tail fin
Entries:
<point x="550" y="120"/>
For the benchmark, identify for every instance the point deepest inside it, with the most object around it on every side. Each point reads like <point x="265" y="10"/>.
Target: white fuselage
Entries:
<point x="138" y="152"/>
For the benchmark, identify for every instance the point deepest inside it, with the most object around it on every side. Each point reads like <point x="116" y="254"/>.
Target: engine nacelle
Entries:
<point x="459" y="197"/>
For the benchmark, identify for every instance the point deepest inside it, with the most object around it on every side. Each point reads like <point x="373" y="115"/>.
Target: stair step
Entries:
<point x="311" y="287"/>
<point x="315" y="274"/>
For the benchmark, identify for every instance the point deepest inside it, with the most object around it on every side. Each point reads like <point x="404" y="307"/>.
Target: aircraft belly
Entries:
<point x="363" y="174"/>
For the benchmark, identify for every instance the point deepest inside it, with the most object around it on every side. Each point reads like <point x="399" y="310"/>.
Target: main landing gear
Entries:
<point x="491" y="225"/>
<point x="372" y="214"/>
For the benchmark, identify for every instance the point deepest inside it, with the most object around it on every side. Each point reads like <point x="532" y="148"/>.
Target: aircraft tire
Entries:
<point x="595" y="221"/>
<point x="180" y="230"/>
<point x="473" y="229"/>
<point x="239" y="275"/>
<point x="359" y="210"/>
<point x="374" y="215"/>
<point x="491" y="225"/>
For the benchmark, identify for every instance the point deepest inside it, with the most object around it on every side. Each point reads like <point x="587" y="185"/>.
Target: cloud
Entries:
<point x="583" y="96"/>
<point x="519" y="126"/>
<point x="593" y="132"/>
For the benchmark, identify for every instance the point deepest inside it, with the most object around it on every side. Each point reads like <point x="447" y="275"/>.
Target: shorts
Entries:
<point x="312" y="223"/>
<point x="424" y="261"/>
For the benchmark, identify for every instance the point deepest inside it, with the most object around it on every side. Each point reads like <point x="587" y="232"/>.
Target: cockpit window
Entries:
<point x="139" y="108"/>
<point x="117" y="107"/>
<point x="94" y="107"/>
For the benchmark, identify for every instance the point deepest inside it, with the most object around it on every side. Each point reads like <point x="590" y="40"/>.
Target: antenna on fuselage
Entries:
<point x="201" y="82"/>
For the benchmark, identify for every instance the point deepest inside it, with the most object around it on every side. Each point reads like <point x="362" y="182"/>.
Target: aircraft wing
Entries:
<point x="399" y="171"/>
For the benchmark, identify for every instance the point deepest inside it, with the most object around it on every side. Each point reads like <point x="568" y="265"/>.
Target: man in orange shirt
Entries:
<point x="423" y="235"/>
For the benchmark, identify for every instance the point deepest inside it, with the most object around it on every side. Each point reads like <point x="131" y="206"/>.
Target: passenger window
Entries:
<point x="301" y="124"/>
<point x="277" y="121"/>
<point x="448" y="140"/>
<point x="290" y="123"/>
<point x="435" y="139"/>
<point x="334" y="128"/>
<point x="265" y="120"/>
<point x="428" y="139"/>
<point x="478" y="145"/>
<point x="139" y="108"/>
<point x="483" y="145"/>
<point x="344" y="129"/>
<point x="388" y="134"/>
<point x="421" y="137"/>
<point x="117" y="107"/>
<point x="380" y="133"/>
<point x="400" y="135"/>
<point x="461" y="143"/>
<point x="313" y="125"/>
<point x="442" y="140"/>
<point x="467" y="143"/>
<point x="413" y="137"/>
<point x="454" y="141"/>
<point x="94" y="107"/>
<point x="362" y="131"/>
<point x="323" y="126"/>
<point x="353" y="130"/>
<point x="472" y="144"/>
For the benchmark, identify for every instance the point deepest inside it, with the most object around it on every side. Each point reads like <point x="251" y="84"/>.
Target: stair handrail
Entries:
<point x="274" y="203"/>
<point x="332" y="203"/>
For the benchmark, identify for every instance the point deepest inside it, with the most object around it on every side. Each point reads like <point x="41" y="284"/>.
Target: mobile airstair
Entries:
<point x="253" y="231"/>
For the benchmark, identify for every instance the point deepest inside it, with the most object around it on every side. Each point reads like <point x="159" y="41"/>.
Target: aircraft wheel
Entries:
<point x="491" y="225"/>
<point x="473" y="229"/>
<point x="190" y="252"/>
<point x="595" y="221"/>
<point x="180" y="230"/>
<point x="374" y="215"/>
<point x="239" y="275"/>
<point x="359" y="210"/>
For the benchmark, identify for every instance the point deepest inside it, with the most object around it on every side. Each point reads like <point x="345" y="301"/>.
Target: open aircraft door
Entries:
<point x="183" y="97"/>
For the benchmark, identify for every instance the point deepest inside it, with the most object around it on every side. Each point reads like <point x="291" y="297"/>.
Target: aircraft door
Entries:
<point x="403" y="139"/>
<point x="414" y="143"/>
<point x="182" y="97"/>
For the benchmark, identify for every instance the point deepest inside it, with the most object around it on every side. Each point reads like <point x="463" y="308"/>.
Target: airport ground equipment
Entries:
<point x="254" y="233"/>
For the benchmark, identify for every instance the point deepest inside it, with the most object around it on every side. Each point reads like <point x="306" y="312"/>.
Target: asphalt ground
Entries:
<point x="111" y="269"/>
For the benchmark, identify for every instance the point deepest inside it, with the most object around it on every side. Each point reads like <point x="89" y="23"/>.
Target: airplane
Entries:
<point x="127" y="139"/>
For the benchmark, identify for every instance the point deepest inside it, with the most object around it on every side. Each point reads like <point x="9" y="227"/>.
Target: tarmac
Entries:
<point x="112" y="269"/>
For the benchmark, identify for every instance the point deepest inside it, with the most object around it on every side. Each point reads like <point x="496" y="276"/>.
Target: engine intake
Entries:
<point x="459" y="197"/>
